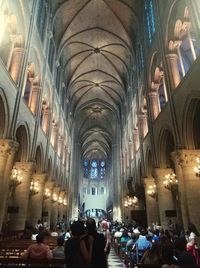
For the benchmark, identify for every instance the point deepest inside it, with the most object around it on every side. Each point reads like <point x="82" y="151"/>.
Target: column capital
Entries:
<point x="149" y="181"/>
<point x="50" y="184"/>
<point x="161" y="172"/>
<point x="186" y="158"/>
<point x="8" y="147"/>
<point x="26" y="167"/>
<point x="40" y="177"/>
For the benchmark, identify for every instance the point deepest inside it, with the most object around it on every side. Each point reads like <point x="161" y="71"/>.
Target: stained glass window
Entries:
<point x="94" y="169"/>
<point x="150" y="20"/>
<point x="86" y="168"/>
<point x="102" y="169"/>
<point x="41" y="18"/>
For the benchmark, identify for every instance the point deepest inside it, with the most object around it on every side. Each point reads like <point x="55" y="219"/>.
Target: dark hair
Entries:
<point x="77" y="228"/>
<point x="91" y="226"/>
<point x="40" y="238"/>
<point x="60" y="241"/>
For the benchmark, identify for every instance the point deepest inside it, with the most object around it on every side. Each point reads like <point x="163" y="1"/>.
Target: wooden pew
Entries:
<point x="159" y="266"/>
<point x="17" y="262"/>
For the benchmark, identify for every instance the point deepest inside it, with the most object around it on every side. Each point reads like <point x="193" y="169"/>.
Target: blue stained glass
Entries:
<point x="150" y="20"/>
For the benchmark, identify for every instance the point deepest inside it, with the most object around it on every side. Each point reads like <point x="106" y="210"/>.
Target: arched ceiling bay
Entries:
<point x="95" y="45"/>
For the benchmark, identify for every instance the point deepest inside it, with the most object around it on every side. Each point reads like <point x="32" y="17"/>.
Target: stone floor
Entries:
<point x="114" y="260"/>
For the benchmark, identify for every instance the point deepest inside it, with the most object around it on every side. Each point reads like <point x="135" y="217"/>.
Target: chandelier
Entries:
<point x="47" y="193"/>
<point x="170" y="182"/>
<point x="65" y="202"/>
<point x="54" y="198"/>
<point x="16" y="179"/>
<point x="130" y="201"/>
<point x="60" y="200"/>
<point x="34" y="188"/>
<point x="152" y="191"/>
<point x="197" y="168"/>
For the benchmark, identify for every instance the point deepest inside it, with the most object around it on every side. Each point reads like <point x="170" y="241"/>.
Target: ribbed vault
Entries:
<point x="95" y="45"/>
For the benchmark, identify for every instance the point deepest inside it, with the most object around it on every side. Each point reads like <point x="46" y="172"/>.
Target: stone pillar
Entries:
<point x="172" y="61"/>
<point x="15" y="67"/>
<point x="45" y="119"/>
<point x="47" y="202"/>
<point x="189" y="186"/>
<point x="143" y="124"/>
<point x="7" y="152"/>
<point x="151" y="203"/>
<point x="21" y="197"/>
<point x="54" y="133"/>
<point x="154" y="103"/>
<point x="13" y="39"/>
<point x="35" y="201"/>
<point x="35" y="89"/>
<point x="165" y="197"/>
<point x="60" y="146"/>
<point x="54" y="211"/>
<point x="61" y="205"/>
<point x="135" y="139"/>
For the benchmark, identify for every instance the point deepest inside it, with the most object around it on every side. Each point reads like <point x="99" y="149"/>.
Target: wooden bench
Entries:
<point x="15" y="248"/>
<point x="159" y="266"/>
<point x="17" y="262"/>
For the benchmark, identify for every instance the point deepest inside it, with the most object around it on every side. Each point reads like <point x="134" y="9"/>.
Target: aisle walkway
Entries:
<point x="114" y="260"/>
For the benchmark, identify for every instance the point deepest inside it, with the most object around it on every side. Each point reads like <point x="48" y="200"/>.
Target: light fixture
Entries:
<point x="34" y="188"/>
<point x="54" y="198"/>
<point x="130" y="201"/>
<point x="60" y="200"/>
<point x="197" y="168"/>
<point x="152" y="191"/>
<point x="170" y="182"/>
<point x="65" y="202"/>
<point x="16" y="179"/>
<point x="47" y="193"/>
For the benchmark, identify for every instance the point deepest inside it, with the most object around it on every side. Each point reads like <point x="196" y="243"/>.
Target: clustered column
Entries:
<point x="7" y="152"/>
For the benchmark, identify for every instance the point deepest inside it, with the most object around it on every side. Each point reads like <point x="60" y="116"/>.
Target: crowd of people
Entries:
<point x="83" y="246"/>
<point x="169" y="248"/>
<point x="87" y="244"/>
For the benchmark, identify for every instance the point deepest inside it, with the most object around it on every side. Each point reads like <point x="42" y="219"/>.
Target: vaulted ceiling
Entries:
<point x="95" y="42"/>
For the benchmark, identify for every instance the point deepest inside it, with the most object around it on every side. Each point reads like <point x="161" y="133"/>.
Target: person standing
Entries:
<point x="99" y="259"/>
<point x="77" y="254"/>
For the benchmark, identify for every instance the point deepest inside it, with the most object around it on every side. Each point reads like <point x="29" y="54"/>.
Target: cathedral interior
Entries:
<point x="99" y="111"/>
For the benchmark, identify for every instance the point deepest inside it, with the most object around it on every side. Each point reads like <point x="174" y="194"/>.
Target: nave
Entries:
<point x="114" y="261"/>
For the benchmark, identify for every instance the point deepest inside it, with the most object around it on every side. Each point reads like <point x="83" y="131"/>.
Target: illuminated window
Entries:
<point x="86" y="168"/>
<point x="150" y="20"/>
<point x="94" y="169"/>
<point x="102" y="169"/>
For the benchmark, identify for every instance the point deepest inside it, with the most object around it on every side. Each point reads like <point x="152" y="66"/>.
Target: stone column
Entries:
<point x="7" y="152"/>
<point x="190" y="185"/>
<point x="45" y="119"/>
<point x="21" y="197"/>
<point x="35" y="201"/>
<point x="60" y="146"/>
<point x="165" y="197"/>
<point x="155" y="110"/>
<point x="172" y="61"/>
<point x="135" y="139"/>
<point x="143" y="124"/>
<point x="15" y="67"/>
<point x="61" y="205"/>
<point x="54" y="211"/>
<point x="151" y="203"/>
<point x="54" y="133"/>
<point x="47" y="202"/>
<point x="35" y="89"/>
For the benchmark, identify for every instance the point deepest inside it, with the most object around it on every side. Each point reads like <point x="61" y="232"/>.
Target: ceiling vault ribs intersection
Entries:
<point x="95" y="45"/>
